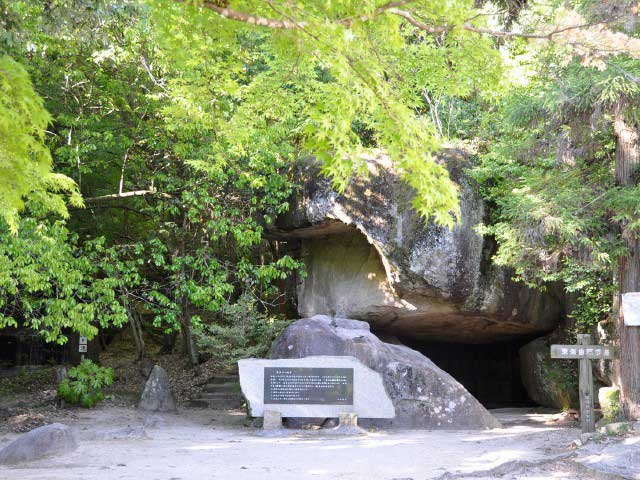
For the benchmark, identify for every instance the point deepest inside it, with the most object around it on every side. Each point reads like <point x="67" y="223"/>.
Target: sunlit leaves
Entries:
<point x="25" y="161"/>
<point x="315" y="83"/>
<point x="48" y="285"/>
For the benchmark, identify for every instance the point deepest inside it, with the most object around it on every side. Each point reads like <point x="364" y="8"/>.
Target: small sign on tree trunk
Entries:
<point x="631" y="309"/>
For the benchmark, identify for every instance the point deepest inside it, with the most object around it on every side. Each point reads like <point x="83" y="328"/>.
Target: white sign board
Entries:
<point x="82" y="348"/>
<point x="631" y="309"/>
<point x="277" y="385"/>
<point x="83" y="340"/>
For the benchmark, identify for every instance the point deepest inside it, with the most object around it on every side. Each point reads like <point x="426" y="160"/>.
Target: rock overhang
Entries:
<point x="369" y="256"/>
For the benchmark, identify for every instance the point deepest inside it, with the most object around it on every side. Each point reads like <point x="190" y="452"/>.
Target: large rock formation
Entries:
<point x="423" y="395"/>
<point x="369" y="256"/>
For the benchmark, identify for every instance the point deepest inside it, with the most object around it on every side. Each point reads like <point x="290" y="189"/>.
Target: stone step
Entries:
<point x="216" y="404"/>
<point x="218" y="396"/>
<point x="232" y="370"/>
<point x="222" y="387"/>
<point x="220" y="392"/>
<point x="224" y="379"/>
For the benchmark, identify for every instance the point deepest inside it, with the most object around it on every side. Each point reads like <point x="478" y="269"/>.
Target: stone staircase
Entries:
<point x="222" y="392"/>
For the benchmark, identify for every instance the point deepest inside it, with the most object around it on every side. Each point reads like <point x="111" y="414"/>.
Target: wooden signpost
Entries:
<point x="82" y="347"/>
<point x="585" y="353"/>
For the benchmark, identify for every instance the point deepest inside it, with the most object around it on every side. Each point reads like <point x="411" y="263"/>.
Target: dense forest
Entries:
<point x="149" y="147"/>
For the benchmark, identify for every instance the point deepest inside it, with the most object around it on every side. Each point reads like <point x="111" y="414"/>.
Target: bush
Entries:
<point x="84" y="384"/>
<point x="241" y="332"/>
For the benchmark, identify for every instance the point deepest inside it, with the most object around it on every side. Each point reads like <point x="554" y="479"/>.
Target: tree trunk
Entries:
<point x="136" y="330"/>
<point x="627" y="164"/>
<point x="187" y="337"/>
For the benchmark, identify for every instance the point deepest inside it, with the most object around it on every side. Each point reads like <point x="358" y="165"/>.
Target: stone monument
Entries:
<point x="312" y="387"/>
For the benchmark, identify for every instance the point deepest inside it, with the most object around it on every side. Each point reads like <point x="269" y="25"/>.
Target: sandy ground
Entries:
<point x="114" y="443"/>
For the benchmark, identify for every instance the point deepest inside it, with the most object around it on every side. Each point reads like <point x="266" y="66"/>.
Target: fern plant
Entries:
<point x="84" y="385"/>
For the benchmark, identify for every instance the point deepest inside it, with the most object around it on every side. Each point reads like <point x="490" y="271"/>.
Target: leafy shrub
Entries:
<point x="84" y="384"/>
<point x="242" y="331"/>
<point x="594" y="291"/>
<point x="609" y="398"/>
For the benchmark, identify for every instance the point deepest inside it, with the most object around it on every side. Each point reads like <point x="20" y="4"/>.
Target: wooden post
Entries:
<point x="585" y="353"/>
<point x="587" y="420"/>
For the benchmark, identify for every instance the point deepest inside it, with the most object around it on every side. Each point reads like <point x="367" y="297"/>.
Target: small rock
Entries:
<point x="617" y="428"/>
<point x="60" y="374"/>
<point x="157" y="395"/>
<point x="153" y="421"/>
<point x="609" y="400"/>
<point x="585" y="437"/>
<point x="49" y="440"/>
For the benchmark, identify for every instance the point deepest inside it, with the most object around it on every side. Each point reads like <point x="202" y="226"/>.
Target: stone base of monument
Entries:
<point x="272" y="420"/>
<point x="348" y="420"/>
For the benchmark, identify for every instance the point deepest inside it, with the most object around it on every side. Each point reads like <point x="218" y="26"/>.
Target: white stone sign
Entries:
<point x="631" y="309"/>
<point x="322" y="386"/>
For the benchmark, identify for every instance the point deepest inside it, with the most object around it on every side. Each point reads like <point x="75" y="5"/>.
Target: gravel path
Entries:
<point x="122" y="443"/>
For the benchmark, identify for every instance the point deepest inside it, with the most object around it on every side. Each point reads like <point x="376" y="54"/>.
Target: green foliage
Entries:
<point x="85" y="383"/>
<point x="609" y="399"/>
<point x="241" y="331"/>
<point x="594" y="298"/>
<point x="130" y="115"/>
<point x="548" y="170"/>
<point x="302" y="91"/>
<point x="183" y="129"/>
<point x="48" y="285"/>
<point x="25" y="161"/>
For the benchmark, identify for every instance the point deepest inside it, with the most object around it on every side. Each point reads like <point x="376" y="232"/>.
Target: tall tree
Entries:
<point x="627" y="168"/>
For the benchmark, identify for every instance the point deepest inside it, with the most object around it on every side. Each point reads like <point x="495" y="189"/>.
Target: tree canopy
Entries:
<point x="146" y="147"/>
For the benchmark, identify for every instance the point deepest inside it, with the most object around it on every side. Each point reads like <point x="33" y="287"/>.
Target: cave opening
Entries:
<point x="424" y="303"/>
<point x="489" y="371"/>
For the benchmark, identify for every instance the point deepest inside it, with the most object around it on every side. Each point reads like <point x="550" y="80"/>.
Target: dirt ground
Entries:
<point x="118" y="442"/>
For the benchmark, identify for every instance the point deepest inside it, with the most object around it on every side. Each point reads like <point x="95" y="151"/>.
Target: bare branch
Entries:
<point x="418" y="24"/>
<point x="391" y="8"/>
<point x="232" y="14"/>
<point x="115" y="207"/>
<point x="136" y="193"/>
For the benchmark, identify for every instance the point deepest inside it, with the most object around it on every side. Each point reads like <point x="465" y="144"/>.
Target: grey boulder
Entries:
<point x="543" y="377"/>
<point x="46" y="441"/>
<point x="424" y="396"/>
<point x="157" y="396"/>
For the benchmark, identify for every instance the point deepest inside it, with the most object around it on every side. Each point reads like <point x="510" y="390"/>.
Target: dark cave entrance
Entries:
<point x="489" y="371"/>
